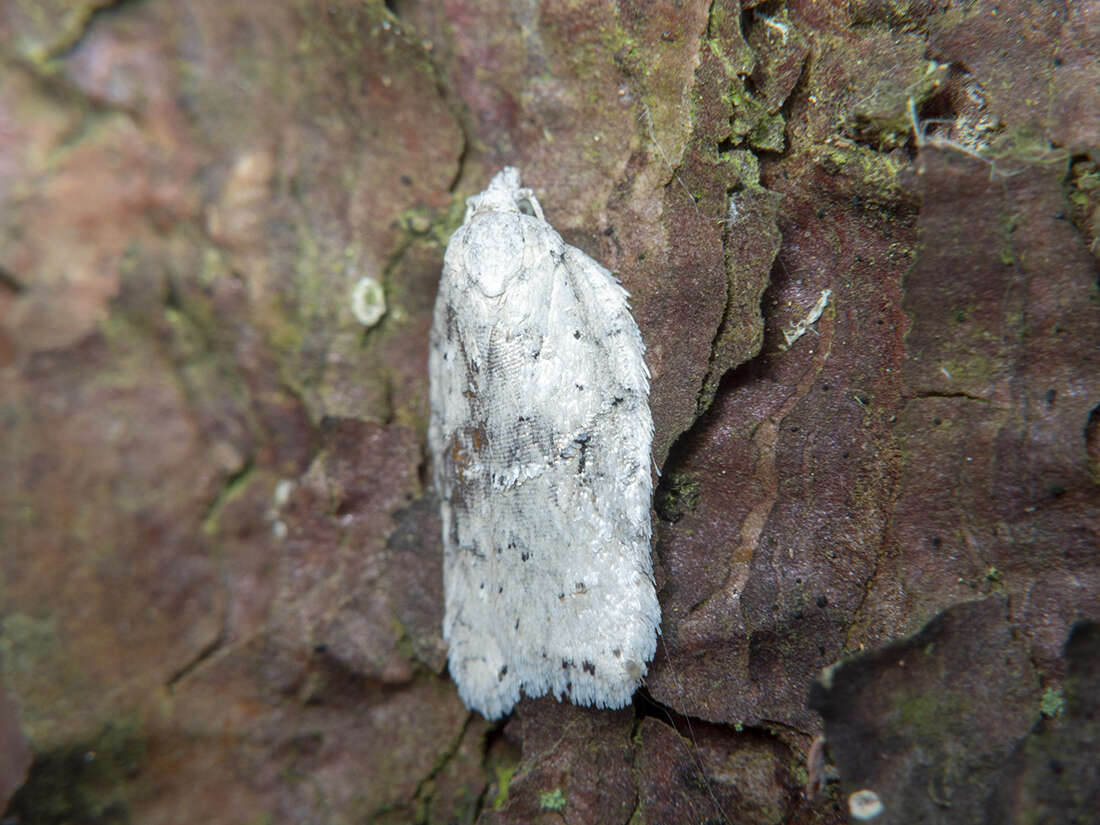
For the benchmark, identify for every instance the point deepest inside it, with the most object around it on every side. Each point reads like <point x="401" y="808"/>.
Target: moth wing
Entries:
<point x="582" y="613"/>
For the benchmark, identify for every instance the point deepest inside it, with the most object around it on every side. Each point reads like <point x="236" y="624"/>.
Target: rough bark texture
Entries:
<point x="220" y="593"/>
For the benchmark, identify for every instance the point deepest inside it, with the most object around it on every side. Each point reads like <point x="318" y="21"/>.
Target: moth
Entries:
<point x="540" y="433"/>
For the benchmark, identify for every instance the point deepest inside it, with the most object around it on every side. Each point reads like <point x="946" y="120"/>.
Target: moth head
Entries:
<point x="504" y="194"/>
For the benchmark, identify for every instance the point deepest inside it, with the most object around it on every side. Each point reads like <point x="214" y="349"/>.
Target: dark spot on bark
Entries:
<point x="677" y="494"/>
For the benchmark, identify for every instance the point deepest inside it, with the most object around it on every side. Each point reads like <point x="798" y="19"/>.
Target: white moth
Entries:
<point x="540" y="436"/>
